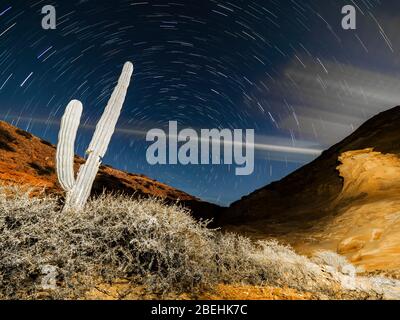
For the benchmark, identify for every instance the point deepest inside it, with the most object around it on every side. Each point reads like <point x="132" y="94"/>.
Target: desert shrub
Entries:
<point x="335" y="261"/>
<point x="152" y="244"/>
<point x="156" y="245"/>
<point x="24" y="134"/>
<point x="41" y="171"/>
<point x="271" y="263"/>
<point x="47" y="143"/>
<point x="6" y="136"/>
<point x="5" y="140"/>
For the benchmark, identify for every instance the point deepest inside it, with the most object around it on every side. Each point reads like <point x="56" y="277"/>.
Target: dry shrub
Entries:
<point x="155" y="245"/>
<point x="115" y="237"/>
<point x="335" y="261"/>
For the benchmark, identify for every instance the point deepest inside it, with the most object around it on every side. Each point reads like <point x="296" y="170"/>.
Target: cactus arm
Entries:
<point x="66" y="141"/>
<point x="100" y="141"/>
<point x="106" y="126"/>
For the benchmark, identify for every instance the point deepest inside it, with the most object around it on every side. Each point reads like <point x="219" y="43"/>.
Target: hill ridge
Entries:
<point x="29" y="160"/>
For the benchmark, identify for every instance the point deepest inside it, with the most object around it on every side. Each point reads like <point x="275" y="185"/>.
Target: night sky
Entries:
<point x="285" y="68"/>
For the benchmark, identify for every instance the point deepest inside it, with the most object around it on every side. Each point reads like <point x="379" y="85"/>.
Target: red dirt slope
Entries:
<point x="30" y="161"/>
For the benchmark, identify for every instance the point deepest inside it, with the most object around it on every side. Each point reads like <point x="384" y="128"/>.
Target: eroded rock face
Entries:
<point x="347" y="200"/>
<point x="368" y="173"/>
<point x="368" y="223"/>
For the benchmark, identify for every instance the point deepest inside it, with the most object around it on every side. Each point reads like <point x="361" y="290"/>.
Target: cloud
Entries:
<point x="331" y="85"/>
<point x="328" y="100"/>
<point x="266" y="146"/>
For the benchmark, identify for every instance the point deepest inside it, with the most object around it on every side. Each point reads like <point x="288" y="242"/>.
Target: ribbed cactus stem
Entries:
<point x="66" y="142"/>
<point x="106" y="126"/>
<point x="79" y="191"/>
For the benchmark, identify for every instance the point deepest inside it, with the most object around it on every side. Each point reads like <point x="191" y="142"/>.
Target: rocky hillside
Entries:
<point x="347" y="200"/>
<point x="29" y="161"/>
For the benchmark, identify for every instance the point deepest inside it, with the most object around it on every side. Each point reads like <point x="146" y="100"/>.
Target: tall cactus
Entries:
<point x="78" y="191"/>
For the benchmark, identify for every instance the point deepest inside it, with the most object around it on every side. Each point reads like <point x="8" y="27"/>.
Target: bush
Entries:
<point x="336" y="262"/>
<point x="154" y="245"/>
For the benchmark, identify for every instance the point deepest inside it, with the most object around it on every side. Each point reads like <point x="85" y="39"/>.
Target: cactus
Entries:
<point x="78" y="191"/>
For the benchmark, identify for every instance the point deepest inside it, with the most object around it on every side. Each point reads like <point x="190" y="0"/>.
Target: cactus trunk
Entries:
<point x="79" y="191"/>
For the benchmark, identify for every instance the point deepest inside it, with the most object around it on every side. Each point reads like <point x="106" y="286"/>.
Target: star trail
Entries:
<point x="284" y="68"/>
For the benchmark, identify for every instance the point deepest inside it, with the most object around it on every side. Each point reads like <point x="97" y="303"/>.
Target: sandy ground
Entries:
<point x="122" y="290"/>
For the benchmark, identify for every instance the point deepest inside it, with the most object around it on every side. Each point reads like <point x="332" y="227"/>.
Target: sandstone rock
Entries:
<point x="350" y="245"/>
